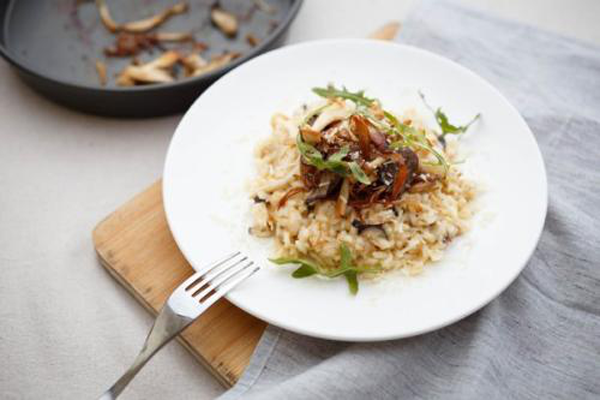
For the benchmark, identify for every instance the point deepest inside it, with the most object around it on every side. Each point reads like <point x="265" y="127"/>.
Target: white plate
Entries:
<point x="210" y="160"/>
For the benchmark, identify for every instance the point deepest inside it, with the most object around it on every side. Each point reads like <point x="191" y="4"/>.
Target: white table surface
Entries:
<point x="67" y="329"/>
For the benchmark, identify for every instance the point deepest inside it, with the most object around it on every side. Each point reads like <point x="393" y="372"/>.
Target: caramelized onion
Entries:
<point x="311" y="136"/>
<point x="290" y="193"/>
<point x="360" y="128"/>
<point x="400" y="181"/>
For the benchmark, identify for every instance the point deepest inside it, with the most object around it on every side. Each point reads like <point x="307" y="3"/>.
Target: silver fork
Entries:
<point x="185" y="304"/>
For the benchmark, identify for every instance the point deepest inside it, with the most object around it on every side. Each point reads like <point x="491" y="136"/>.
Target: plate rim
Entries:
<point x="377" y="338"/>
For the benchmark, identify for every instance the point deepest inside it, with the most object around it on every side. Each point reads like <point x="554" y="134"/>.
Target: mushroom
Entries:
<point x="361" y="227"/>
<point x="101" y="70"/>
<point x="263" y="6"/>
<point x="310" y="136"/>
<point x="328" y="185"/>
<point x="130" y="44"/>
<point x="252" y="40"/>
<point x="193" y="62"/>
<point x="156" y="71"/>
<point x="173" y="36"/>
<point x="224" y="20"/>
<point x="105" y="16"/>
<point x="216" y="62"/>
<point x="143" y="25"/>
<point x="334" y="112"/>
<point x="342" y="200"/>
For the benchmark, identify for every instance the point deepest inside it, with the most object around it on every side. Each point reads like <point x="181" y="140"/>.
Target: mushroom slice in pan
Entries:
<point x="156" y="71"/>
<point x="101" y="70"/>
<point x="144" y="25"/>
<point x="224" y="20"/>
<point x="216" y="62"/>
<point x="173" y="36"/>
<point x="106" y="17"/>
<point x="252" y="40"/>
<point x="130" y="44"/>
<point x="265" y="7"/>
<point x="193" y="62"/>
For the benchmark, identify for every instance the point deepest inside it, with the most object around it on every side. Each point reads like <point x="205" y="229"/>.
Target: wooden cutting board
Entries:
<point x="136" y="247"/>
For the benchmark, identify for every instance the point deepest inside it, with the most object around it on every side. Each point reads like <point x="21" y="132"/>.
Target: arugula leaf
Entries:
<point x="307" y="267"/>
<point x="358" y="173"/>
<point x="331" y="92"/>
<point x="352" y="279"/>
<point x="337" y="157"/>
<point x="303" y="272"/>
<point x="345" y="256"/>
<point x="313" y="113"/>
<point x="444" y="123"/>
<point x="334" y="163"/>
<point x="347" y="269"/>
<point x="447" y="127"/>
<point x="412" y="137"/>
<point x="310" y="154"/>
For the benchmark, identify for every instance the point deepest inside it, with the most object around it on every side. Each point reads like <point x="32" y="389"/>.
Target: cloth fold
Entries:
<point x="541" y="337"/>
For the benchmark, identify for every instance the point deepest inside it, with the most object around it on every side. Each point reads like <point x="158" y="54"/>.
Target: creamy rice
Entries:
<point x="418" y="228"/>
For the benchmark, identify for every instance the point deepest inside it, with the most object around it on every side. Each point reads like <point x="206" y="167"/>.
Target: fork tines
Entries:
<point x="219" y="277"/>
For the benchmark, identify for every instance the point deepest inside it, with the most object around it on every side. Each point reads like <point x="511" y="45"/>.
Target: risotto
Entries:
<point x="346" y="188"/>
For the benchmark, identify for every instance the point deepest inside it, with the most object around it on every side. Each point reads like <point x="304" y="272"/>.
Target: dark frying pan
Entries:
<point x="54" y="45"/>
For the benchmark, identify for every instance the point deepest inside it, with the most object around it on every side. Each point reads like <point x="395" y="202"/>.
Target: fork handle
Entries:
<point x="166" y="326"/>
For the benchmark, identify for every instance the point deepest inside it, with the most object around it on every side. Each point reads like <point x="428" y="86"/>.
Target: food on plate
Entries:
<point x="347" y="188"/>
<point x="225" y="21"/>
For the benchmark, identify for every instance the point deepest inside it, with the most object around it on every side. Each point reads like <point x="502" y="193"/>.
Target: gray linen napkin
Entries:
<point x="541" y="338"/>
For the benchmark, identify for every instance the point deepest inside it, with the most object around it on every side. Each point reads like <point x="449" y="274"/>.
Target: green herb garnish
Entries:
<point x="411" y="137"/>
<point x="334" y="163"/>
<point x="358" y="173"/>
<point x="347" y="269"/>
<point x="445" y="126"/>
<point x="331" y="92"/>
<point x="406" y="136"/>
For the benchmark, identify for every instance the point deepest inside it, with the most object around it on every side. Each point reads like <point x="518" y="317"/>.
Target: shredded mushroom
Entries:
<point x="101" y="70"/>
<point x="193" y="62"/>
<point x="105" y="16"/>
<point x="156" y="71"/>
<point x="263" y="6"/>
<point x="143" y="25"/>
<point x="130" y="44"/>
<point x="216" y="62"/>
<point x="252" y="40"/>
<point x="147" y="24"/>
<point x="225" y="21"/>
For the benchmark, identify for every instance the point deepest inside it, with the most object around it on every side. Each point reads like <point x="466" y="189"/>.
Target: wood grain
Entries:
<point x="136" y="247"/>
